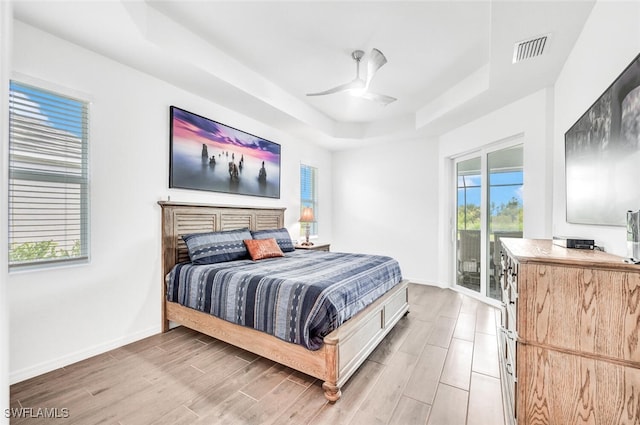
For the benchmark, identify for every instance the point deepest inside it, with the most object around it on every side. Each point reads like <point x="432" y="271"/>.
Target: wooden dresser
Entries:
<point x="570" y="335"/>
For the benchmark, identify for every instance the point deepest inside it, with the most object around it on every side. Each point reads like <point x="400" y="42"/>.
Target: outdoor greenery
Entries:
<point x="507" y="217"/>
<point x="42" y="250"/>
<point x="504" y="217"/>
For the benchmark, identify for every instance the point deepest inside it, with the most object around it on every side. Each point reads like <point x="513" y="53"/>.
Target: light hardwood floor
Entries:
<point x="438" y="366"/>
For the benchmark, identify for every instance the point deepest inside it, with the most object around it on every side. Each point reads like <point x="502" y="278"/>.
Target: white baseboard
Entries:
<point x="48" y="366"/>
<point x="472" y="294"/>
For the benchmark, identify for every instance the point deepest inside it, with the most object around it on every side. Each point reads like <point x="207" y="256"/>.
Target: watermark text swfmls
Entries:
<point x="36" y="412"/>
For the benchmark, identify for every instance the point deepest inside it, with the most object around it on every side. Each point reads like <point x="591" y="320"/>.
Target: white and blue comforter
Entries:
<point x="299" y="298"/>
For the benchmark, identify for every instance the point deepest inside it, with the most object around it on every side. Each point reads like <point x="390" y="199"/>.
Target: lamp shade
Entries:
<point x="307" y="215"/>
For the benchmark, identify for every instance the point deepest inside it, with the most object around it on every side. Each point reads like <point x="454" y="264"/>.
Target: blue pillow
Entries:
<point x="217" y="247"/>
<point x="281" y="236"/>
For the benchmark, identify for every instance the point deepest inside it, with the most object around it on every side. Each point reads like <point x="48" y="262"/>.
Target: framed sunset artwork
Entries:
<point x="208" y="155"/>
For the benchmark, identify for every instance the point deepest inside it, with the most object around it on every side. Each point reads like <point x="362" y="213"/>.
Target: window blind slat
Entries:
<point x="48" y="177"/>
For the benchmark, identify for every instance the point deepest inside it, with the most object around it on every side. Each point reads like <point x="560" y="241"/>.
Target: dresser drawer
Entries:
<point x="508" y="372"/>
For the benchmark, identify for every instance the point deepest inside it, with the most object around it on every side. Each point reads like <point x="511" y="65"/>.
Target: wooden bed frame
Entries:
<point x="344" y="349"/>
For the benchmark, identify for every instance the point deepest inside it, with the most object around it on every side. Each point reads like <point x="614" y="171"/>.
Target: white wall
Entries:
<point x="385" y="202"/>
<point x="62" y="315"/>
<point x="524" y="121"/>
<point x="6" y="20"/>
<point x="396" y="200"/>
<point x="610" y="40"/>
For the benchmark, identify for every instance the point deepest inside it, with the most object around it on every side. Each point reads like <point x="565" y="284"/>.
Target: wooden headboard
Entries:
<point x="179" y="218"/>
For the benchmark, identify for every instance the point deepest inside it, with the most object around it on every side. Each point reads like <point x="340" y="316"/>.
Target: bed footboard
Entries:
<point x="354" y="341"/>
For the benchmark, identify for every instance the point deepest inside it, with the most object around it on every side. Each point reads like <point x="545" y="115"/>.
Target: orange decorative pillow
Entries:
<point x="263" y="248"/>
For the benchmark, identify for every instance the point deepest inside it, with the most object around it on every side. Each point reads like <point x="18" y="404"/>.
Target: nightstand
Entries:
<point x="316" y="247"/>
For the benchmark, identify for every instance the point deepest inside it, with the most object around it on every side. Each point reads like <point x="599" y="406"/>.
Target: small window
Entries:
<point x="308" y="193"/>
<point x="48" y="177"/>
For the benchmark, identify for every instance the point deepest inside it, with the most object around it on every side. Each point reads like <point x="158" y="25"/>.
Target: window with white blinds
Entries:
<point x="308" y="193"/>
<point x="48" y="177"/>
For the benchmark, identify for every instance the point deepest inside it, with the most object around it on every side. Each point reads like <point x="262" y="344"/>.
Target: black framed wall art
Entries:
<point x="602" y="155"/>
<point x="208" y="155"/>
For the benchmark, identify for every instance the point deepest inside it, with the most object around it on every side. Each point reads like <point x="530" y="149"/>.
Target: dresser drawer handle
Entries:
<point x="509" y="368"/>
<point x="512" y="335"/>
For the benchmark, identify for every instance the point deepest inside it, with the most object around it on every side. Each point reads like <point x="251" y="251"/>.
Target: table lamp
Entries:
<point x="307" y="218"/>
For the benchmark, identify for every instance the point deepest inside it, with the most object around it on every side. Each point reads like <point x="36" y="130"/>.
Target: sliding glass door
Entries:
<point x="505" y="207"/>
<point x="468" y="223"/>
<point x="489" y="206"/>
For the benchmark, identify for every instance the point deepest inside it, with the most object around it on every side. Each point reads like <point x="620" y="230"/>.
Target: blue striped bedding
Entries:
<point x="298" y="298"/>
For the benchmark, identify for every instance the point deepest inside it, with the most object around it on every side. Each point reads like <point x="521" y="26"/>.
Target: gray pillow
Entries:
<point x="281" y="236"/>
<point x="217" y="247"/>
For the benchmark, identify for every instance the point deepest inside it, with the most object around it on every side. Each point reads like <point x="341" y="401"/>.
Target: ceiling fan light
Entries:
<point x="359" y="87"/>
<point x="358" y="92"/>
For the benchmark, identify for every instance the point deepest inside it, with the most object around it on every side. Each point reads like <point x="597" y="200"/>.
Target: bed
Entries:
<point x="341" y="352"/>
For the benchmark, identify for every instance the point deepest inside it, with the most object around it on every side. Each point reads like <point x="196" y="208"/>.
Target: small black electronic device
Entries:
<point x="572" y="242"/>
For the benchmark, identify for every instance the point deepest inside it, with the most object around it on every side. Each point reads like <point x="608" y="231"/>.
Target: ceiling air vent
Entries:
<point x="528" y="49"/>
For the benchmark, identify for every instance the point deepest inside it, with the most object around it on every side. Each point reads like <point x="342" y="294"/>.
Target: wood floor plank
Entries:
<point x="301" y="378"/>
<point x="51" y="396"/>
<point x="72" y="399"/>
<point x="305" y="408"/>
<point x="182" y="336"/>
<point x="228" y="367"/>
<point x="442" y="331"/>
<point x="465" y="326"/>
<point x="485" y="401"/>
<point x="384" y="395"/>
<point x="470" y="305"/>
<point x="206" y="402"/>
<point x="208" y="361"/>
<point x="410" y="412"/>
<point x="426" y="295"/>
<point x="416" y="339"/>
<point x="179" y="366"/>
<point x="425" y="302"/>
<point x="486" y="320"/>
<point x="266" y="382"/>
<point x="184" y="377"/>
<point x="392" y="342"/>
<point x="451" y="305"/>
<point x="271" y="405"/>
<point x="426" y="375"/>
<point x="70" y="376"/>
<point x="485" y="355"/>
<point x="449" y="406"/>
<point x="229" y="411"/>
<point x="178" y="416"/>
<point x="101" y="407"/>
<point x="35" y="384"/>
<point x="457" y="366"/>
<point x="355" y="391"/>
<point x="152" y="341"/>
<point x="154" y="402"/>
<point x="128" y="368"/>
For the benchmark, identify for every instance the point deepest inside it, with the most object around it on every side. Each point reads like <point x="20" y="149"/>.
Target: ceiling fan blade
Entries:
<point x="358" y="83"/>
<point x="376" y="60"/>
<point x="380" y="98"/>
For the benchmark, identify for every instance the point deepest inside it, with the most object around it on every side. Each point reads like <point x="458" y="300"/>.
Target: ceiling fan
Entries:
<point x="359" y="86"/>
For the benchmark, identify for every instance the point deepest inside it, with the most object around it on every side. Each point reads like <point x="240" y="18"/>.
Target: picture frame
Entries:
<point x="602" y="153"/>
<point x="211" y="156"/>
